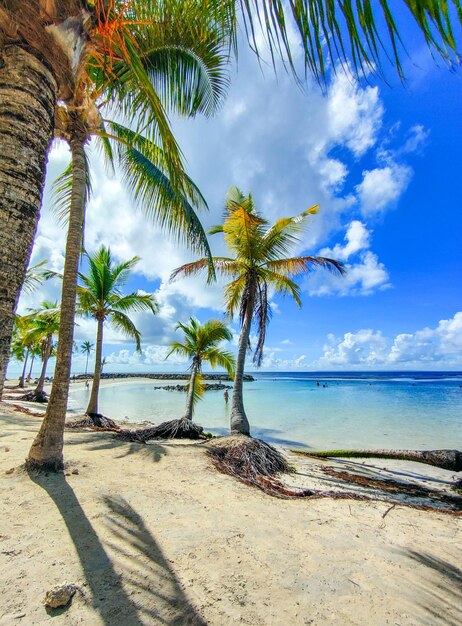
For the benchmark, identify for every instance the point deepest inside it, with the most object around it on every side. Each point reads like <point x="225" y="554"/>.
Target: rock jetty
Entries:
<point x="105" y="375"/>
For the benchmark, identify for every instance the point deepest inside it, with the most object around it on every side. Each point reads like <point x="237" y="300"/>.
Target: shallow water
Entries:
<point x="354" y="410"/>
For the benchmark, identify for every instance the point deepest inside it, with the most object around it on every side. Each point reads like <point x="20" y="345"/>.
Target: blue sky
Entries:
<point x="383" y="162"/>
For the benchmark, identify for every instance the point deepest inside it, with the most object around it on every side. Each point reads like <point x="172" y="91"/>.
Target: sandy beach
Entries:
<point x="154" y="534"/>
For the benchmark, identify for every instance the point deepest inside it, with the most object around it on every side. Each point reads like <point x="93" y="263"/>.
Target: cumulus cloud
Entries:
<point x="270" y="138"/>
<point x="440" y="346"/>
<point x="382" y="187"/>
<point x="364" y="275"/>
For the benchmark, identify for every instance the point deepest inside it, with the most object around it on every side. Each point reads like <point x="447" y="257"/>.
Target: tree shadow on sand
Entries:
<point x="439" y="587"/>
<point x="130" y="581"/>
<point x="105" y="441"/>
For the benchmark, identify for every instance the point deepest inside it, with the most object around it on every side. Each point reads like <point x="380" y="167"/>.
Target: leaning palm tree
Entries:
<point x="259" y="264"/>
<point x="159" y="57"/>
<point x="43" y="44"/>
<point x="100" y="298"/>
<point x="201" y="345"/>
<point x="87" y="348"/>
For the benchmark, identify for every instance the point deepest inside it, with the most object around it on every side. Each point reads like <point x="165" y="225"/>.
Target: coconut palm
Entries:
<point x="157" y="57"/>
<point x="44" y="43"/>
<point x="100" y="298"/>
<point x="201" y="345"/>
<point x="259" y="264"/>
<point x="87" y="348"/>
<point x="44" y="325"/>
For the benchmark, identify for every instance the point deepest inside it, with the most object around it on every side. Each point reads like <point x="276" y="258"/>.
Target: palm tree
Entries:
<point x="22" y="345"/>
<point x="44" y="44"/>
<point x="157" y="56"/>
<point x="44" y="325"/>
<point x="259" y="263"/>
<point x="201" y="344"/>
<point x="87" y="348"/>
<point x="100" y="297"/>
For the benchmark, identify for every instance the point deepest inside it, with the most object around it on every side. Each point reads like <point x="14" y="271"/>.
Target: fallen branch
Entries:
<point x="445" y="459"/>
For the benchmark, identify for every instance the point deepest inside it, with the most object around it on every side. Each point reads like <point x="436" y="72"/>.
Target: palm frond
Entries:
<point x="123" y="323"/>
<point x="356" y="33"/>
<point x="262" y="315"/>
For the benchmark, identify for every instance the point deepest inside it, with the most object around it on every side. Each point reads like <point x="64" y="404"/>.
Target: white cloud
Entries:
<point x="355" y="114"/>
<point x="430" y="344"/>
<point x="440" y="346"/>
<point x="382" y="187"/>
<point x="356" y="237"/>
<point x="363" y="276"/>
<point x="366" y="347"/>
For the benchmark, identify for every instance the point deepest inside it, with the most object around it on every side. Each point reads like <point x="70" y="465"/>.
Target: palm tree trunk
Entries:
<point x="86" y="364"/>
<point x="46" y="356"/>
<point x="190" y="399"/>
<point x="29" y="375"/>
<point x="23" y="375"/>
<point x="92" y="408"/>
<point x="47" y="450"/>
<point x="27" y="103"/>
<point x="239" y="421"/>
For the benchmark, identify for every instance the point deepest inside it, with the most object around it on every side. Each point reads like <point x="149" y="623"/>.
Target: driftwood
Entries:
<point x="183" y="428"/>
<point x="445" y="459"/>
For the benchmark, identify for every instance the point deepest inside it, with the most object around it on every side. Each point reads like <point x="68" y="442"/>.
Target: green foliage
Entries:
<point x="201" y="343"/>
<point x="99" y="293"/>
<point x="259" y="261"/>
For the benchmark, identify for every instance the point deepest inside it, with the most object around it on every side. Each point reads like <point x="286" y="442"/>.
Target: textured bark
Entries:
<point x="23" y="373"/>
<point x="27" y="102"/>
<point x="46" y="356"/>
<point x="190" y="399"/>
<point x="92" y="408"/>
<point x="29" y="375"/>
<point x="47" y="450"/>
<point x="239" y="421"/>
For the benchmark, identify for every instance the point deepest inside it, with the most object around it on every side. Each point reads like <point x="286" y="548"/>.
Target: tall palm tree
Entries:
<point x="158" y="56"/>
<point x="100" y="297"/>
<point x="201" y="344"/>
<point x="44" y="325"/>
<point x="259" y="264"/>
<point x="43" y="44"/>
<point x="87" y="348"/>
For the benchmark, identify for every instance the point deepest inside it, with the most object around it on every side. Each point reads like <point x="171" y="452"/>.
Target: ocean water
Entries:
<point x="390" y="410"/>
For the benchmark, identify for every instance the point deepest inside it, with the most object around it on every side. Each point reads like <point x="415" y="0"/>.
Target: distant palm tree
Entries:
<point x="201" y="345"/>
<point x="99" y="297"/>
<point x="44" y="325"/>
<point x="86" y="348"/>
<point x="259" y="263"/>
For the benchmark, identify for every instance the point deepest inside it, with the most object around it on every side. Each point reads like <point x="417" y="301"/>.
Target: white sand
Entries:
<point x="155" y="535"/>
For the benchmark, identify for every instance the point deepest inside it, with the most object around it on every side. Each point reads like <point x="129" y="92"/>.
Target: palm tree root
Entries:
<point x="445" y="459"/>
<point x="32" y="396"/>
<point x="56" y="465"/>
<point x="95" y="420"/>
<point x="183" y="428"/>
<point x="254" y="463"/>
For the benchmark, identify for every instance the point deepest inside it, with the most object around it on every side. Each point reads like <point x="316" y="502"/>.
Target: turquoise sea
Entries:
<point x="386" y="409"/>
